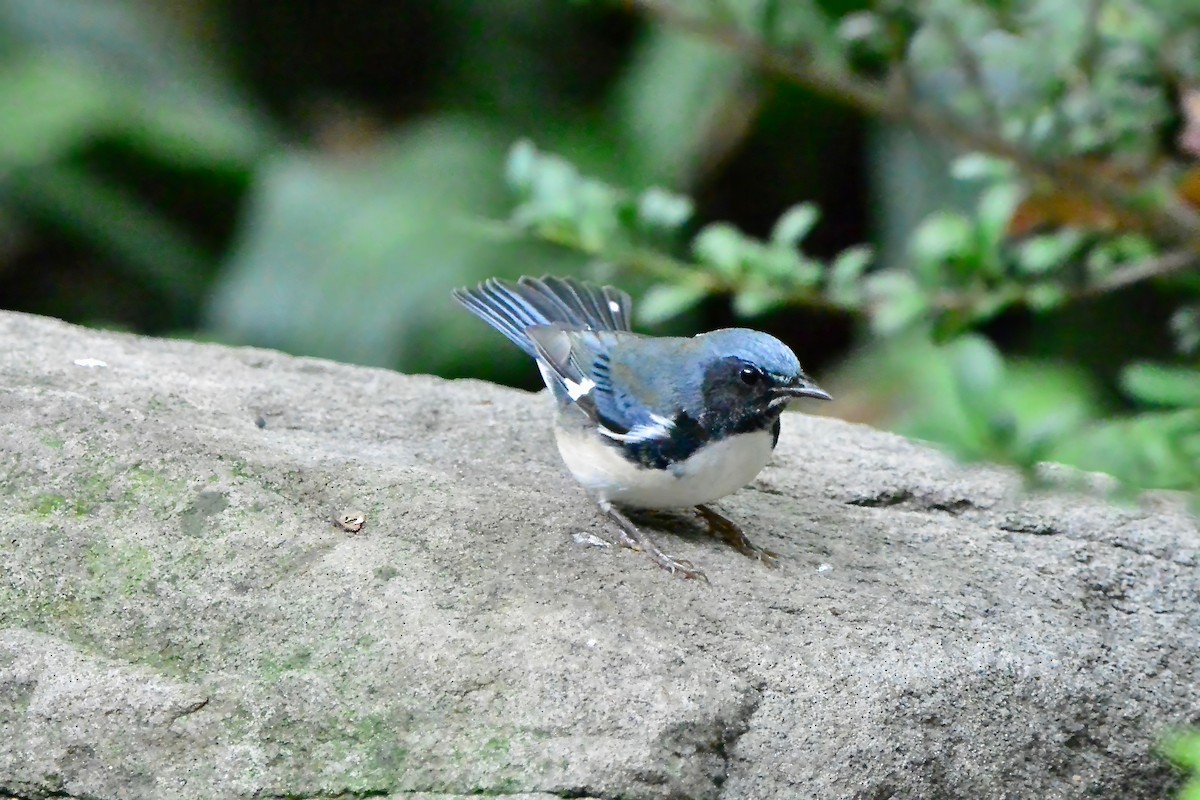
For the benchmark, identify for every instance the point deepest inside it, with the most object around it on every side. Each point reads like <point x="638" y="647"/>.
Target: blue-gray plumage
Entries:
<point x="643" y="421"/>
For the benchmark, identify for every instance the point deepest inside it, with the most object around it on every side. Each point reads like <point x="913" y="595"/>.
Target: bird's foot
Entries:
<point x="629" y="535"/>
<point x="732" y="533"/>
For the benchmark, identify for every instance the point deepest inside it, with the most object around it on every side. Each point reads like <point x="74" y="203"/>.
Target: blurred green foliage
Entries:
<point x="1088" y="117"/>
<point x="77" y="76"/>
<point x="1184" y="751"/>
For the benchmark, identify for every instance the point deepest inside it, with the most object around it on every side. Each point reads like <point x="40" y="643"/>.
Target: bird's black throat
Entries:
<point x="687" y="435"/>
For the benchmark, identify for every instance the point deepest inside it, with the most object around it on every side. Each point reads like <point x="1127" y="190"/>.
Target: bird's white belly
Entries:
<point x="712" y="472"/>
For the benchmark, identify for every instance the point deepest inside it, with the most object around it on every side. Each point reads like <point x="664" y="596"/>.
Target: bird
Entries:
<point x="648" y="422"/>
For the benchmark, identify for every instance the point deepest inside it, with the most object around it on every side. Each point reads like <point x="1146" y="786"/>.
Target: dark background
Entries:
<point x="131" y="215"/>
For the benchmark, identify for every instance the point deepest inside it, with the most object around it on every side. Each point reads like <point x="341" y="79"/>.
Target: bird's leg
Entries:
<point x="632" y="537"/>
<point x="731" y="532"/>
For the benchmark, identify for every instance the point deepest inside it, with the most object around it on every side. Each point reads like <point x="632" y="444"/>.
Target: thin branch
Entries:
<point x="660" y="266"/>
<point x="1161" y="266"/>
<point x="972" y="72"/>
<point x="1174" y="221"/>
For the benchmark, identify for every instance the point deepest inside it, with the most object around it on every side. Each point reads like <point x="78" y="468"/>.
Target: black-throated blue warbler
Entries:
<point x="648" y="422"/>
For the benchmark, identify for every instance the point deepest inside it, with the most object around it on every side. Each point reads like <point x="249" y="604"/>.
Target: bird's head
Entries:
<point x="748" y="374"/>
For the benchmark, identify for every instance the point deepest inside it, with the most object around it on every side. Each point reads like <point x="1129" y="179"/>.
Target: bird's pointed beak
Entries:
<point x="803" y="387"/>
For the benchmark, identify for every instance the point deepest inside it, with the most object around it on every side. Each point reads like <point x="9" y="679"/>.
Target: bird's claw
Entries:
<point x="630" y="536"/>
<point x="682" y="566"/>
<point x="732" y="533"/>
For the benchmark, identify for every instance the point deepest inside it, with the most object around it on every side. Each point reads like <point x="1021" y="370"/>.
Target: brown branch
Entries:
<point x="1160" y="266"/>
<point x="1174" y="221"/>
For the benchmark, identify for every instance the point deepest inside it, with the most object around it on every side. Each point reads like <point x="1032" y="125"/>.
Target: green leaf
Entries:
<point x="72" y="73"/>
<point x="1045" y="296"/>
<point x="52" y="105"/>
<point x="942" y="237"/>
<point x="722" y="247"/>
<point x="980" y="167"/>
<point x="995" y="210"/>
<point x="1184" y="750"/>
<point x="949" y="324"/>
<point x="845" y="273"/>
<point x="791" y="23"/>
<point x="758" y="300"/>
<point x="978" y="368"/>
<point x="520" y="165"/>
<point x="795" y="224"/>
<point x="1145" y="450"/>
<point x="658" y="208"/>
<point x="1185" y="325"/>
<point x="978" y="371"/>
<point x="663" y="301"/>
<point x="895" y="301"/>
<point x="1107" y="256"/>
<point x="864" y="27"/>
<point x="1158" y="384"/>
<point x="1041" y="254"/>
<point x="781" y="266"/>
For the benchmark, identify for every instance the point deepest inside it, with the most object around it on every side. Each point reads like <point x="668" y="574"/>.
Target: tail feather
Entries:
<point x="496" y="314"/>
<point x="514" y="308"/>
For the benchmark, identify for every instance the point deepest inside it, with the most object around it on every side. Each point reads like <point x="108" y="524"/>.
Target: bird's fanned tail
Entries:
<point x="513" y="308"/>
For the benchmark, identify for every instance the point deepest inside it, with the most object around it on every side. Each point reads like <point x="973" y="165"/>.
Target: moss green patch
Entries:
<point x="121" y="565"/>
<point x="53" y="442"/>
<point x="378" y="735"/>
<point x="496" y="746"/>
<point x="14" y="700"/>
<point x="163" y="659"/>
<point x="273" y="668"/>
<point x="93" y="491"/>
<point x="152" y="488"/>
<point x="366" y="748"/>
<point x="46" y="504"/>
<point x="35" y="611"/>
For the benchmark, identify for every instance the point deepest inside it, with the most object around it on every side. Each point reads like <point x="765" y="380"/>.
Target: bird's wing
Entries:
<point x="577" y="366"/>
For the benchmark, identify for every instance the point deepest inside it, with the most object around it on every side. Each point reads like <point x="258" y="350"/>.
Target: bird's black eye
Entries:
<point x="750" y="376"/>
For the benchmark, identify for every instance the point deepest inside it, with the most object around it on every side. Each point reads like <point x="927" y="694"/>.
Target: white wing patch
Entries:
<point x="614" y="306"/>
<point x="578" y="389"/>
<point x="657" y="428"/>
<point x="575" y="389"/>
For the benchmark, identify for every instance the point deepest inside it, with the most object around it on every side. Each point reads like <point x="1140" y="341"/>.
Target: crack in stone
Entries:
<point x="1036" y="527"/>
<point x="8" y="793"/>
<point x="356" y="794"/>
<point x="190" y="708"/>
<point x="910" y="500"/>
<point x="885" y="498"/>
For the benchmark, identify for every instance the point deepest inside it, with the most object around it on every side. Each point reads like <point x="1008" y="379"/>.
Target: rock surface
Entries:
<point x="181" y="618"/>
